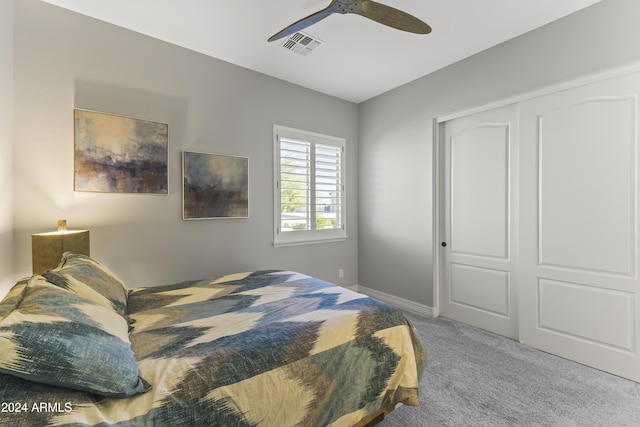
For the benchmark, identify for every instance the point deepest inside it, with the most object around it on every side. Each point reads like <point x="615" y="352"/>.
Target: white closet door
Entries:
<point x="477" y="252"/>
<point x="578" y="274"/>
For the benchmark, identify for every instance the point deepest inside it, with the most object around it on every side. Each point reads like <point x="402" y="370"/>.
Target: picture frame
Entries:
<point x="215" y="186"/>
<point x="117" y="154"/>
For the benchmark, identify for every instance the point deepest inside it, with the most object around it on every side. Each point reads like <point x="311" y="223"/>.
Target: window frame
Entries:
<point x="312" y="235"/>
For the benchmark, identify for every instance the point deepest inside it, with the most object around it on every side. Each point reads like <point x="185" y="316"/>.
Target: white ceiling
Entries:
<point x="360" y="58"/>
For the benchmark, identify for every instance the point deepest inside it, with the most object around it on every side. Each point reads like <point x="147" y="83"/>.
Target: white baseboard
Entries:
<point x="401" y="303"/>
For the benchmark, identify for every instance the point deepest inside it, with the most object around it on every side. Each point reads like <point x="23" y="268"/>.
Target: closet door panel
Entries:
<point x="578" y="273"/>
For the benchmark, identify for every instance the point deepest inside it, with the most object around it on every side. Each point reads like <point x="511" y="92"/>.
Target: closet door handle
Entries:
<point x="444" y="244"/>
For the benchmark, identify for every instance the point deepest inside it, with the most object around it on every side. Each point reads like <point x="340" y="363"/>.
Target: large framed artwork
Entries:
<point x="115" y="154"/>
<point x="215" y="186"/>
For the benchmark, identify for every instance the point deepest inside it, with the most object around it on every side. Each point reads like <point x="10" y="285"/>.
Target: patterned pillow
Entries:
<point x="86" y="277"/>
<point x="56" y="337"/>
<point x="12" y="299"/>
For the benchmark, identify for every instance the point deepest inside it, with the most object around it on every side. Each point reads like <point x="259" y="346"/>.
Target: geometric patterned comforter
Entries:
<point x="268" y="348"/>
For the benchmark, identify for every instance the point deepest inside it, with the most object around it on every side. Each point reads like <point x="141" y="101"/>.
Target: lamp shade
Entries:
<point x="47" y="248"/>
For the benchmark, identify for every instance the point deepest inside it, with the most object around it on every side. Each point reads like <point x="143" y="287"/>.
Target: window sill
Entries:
<point x="298" y="242"/>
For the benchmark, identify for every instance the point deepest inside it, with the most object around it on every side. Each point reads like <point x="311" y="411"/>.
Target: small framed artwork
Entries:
<point x="214" y="186"/>
<point x="114" y="154"/>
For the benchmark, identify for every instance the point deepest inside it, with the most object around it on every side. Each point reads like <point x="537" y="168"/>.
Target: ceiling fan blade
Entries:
<point x="305" y="22"/>
<point x="392" y="17"/>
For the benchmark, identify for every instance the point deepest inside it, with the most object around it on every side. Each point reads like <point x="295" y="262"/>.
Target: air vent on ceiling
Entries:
<point x="301" y="43"/>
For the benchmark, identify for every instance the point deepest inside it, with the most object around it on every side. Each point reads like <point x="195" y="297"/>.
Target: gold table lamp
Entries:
<point x="47" y="248"/>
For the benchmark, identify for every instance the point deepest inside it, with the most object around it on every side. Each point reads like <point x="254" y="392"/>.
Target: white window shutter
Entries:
<point x="309" y="188"/>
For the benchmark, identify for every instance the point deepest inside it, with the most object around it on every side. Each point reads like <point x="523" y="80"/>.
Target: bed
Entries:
<point x="263" y="348"/>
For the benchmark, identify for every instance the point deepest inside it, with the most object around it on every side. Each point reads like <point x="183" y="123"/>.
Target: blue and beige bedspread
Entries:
<point x="268" y="348"/>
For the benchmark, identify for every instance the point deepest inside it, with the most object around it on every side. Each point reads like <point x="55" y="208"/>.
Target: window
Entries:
<point x="309" y="187"/>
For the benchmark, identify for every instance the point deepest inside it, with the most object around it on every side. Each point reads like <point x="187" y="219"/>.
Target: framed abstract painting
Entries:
<point x="214" y="186"/>
<point x="114" y="154"/>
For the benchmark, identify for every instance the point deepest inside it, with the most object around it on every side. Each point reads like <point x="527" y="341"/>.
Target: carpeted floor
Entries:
<point x="476" y="378"/>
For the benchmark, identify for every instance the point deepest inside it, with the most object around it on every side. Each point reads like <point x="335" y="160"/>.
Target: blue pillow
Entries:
<point x="13" y="298"/>
<point x="57" y="337"/>
<point x="86" y="277"/>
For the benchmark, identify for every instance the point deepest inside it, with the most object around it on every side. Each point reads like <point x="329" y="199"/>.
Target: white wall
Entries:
<point x="396" y="132"/>
<point x="65" y="60"/>
<point x="6" y="147"/>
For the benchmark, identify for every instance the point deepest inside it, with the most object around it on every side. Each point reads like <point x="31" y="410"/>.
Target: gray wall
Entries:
<point x="6" y="145"/>
<point x="396" y="132"/>
<point x="65" y="60"/>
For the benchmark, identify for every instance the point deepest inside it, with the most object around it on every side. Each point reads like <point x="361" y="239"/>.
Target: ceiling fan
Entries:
<point x="368" y="8"/>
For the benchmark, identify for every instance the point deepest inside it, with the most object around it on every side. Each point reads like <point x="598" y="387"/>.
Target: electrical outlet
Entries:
<point x="341" y="273"/>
